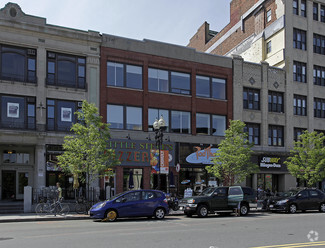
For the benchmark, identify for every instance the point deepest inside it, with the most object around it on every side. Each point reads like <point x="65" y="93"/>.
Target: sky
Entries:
<point x="169" y="21"/>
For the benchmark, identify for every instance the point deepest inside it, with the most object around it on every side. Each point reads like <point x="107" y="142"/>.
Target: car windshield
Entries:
<point x="116" y="196"/>
<point x="207" y="191"/>
<point x="288" y="193"/>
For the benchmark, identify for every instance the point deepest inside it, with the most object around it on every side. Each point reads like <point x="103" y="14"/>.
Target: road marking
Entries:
<point x="308" y="244"/>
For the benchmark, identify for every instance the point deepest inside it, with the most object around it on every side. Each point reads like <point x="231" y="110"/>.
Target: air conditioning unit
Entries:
<point x="79" y="104"/>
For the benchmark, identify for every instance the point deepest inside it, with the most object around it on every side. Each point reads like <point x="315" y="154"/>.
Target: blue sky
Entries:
<point x="171" y="21"/>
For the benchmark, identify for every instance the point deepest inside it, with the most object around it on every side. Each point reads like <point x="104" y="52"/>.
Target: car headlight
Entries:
<point x="190" y="201"/>
<point x="282" y="201"/>
<point x="101" y="205"/>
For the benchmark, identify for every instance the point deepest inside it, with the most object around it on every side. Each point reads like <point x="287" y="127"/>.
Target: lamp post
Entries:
<point x="159" y="127"/>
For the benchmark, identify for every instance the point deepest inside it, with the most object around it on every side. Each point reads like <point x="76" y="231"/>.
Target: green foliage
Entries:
<point x="232" y="162"/>
<point x="85" y="152"/>
<point x="307" y="160"/>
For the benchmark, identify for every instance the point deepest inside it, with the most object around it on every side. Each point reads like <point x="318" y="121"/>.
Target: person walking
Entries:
<point x="59" y="190"/>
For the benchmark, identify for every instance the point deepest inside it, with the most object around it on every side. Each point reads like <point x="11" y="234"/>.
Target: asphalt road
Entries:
<point x="255" y="230"/>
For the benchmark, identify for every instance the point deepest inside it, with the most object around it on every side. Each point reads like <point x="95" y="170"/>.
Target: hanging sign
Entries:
<point x="204" y="156"/>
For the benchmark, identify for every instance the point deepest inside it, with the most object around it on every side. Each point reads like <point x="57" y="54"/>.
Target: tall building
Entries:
<point x="45" y="73"/>
<point x="287" y="34"/>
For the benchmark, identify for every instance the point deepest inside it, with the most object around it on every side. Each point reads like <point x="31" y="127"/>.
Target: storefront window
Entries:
<point x="194" y="178"/>
<point x="132" y="179"/>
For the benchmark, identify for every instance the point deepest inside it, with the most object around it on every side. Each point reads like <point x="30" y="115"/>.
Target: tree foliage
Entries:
<point x="232" y="162"/>
<point x="307" y="160"/>
<point x="86" y="153"/>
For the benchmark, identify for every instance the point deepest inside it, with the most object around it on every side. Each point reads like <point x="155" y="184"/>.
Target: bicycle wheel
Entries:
<point x="40" y="209"/>
<point x="80" y="208"/>
<point x="64" y="210"/>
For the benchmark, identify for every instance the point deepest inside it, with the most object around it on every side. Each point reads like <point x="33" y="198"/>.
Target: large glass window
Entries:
<point x="180" y="83"/>
<point x="299" y="105"/>
<point x="275" y="102"/>
<point x="17" y="112"/>
<point x="134" y="76"/>
<point x="299" y="72"/>
<point x="203" y="123"/>
<point x="115" y="74"/>
<point x="253" y="131"/>
<point x="180" y="122"/>
<point x="61" y="115"/>
<point x="154" y="114"/>
<point x="211" y="87"/>
<point x="251" y="98"/>
<point x="158" y="80"/>
<point x="299" y="39"/>
<point x="124" y="117"/>
<point x="219" y="125"/>
<point x="66" y="70"/>
<point x="18" y="64"/>
<point x="275" y="135"/>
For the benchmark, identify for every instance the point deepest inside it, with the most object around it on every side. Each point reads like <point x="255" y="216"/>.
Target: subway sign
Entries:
<point x="138" y="153"/>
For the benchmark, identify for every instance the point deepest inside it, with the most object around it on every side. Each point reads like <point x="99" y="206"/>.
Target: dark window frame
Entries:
<point x="297" y="132"/>
<point x="295" y="6"/>
<point x="315" y="11"/>
<point x="303" y="8"/>
<point x="319" y="107"/>
<point x="278" y="105"/>
<point x="276" y="135"/>
<point x="249" y="102"/>
<point x="299" y="72"/>
<point x="319" y="75"/>
<point x="302" y="109"/>
<point x="256" y="133"/>
<point x="319" y="44"/>
<point x="299" y="39"/>
<point x="212" y="89"/>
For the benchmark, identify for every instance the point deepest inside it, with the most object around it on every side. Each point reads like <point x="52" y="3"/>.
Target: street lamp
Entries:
<point x="159" y="127"/>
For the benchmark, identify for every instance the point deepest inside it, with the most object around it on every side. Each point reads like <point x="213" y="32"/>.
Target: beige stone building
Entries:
<point x="45" y="73"/>
<point x="286" y="34"/>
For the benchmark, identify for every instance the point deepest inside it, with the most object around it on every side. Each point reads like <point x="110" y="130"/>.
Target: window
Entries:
<point x="211" y="87"/>
<point x="251" y="99"/>
<point x="154" y="114"/>
<point x="319" y="44"/>
<point x="180" y="122"/>
<point x="295" y="6"/>
<point x="203" y="124"/>
<point x="319" y="108"/>
<point x="299" y="72"/>
<point x="66" y="70"/>
<point x="18" y="64"/>
<point x="18" y="112"/>
<point x="158" y="80"/>
<point x="319" y="75"/>
<point x="180" y="83"/>
<point x="299" y="39"/>
<point x="299" y="105"/>
<point x="315" y="11"/>
<point x="124" y="117"/>
<point x="121" y="75"/>
<point x="303" y="8"/>
<point x="219" y="125"/>
<point x="253" y="131"/>
<point x="14" y="157"/>
<point x="297" y="132"/>
<point x="268" y="47"/>
<point x="275" y="102"/>
<point x="275" y="136"/>
<point x="268" y="15"/>
<point x="322" y="13"/>
<point x="61" y="115"/>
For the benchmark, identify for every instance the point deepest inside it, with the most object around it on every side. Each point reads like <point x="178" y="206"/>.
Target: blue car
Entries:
<point x="134" y="203"/>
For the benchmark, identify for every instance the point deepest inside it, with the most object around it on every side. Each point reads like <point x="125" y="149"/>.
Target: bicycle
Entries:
<point x="57" y="207"/>
<point x="82" y="206"/>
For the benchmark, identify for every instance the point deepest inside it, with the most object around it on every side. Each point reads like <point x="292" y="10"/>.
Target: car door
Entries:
<point x="302" y="200"/>
<point x="315" y="199"/>
<point x="149" y="202"/>
<point x="235" y="196"/>
<point x="219" y="199"/>
<point x="129" y="204"/>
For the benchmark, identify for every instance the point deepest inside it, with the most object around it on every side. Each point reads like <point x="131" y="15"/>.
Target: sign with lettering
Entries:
<point x="137" y="152"/>
<point x="200" y="156"/>
<point x="270" y="162"/>
<point x="154" y="161"/>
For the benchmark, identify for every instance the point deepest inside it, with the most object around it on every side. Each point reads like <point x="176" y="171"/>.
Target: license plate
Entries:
<point x="271" y="206"/>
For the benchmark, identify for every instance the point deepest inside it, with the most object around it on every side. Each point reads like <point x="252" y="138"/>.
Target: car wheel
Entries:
<point x="202" y="211"/>
<point x="322" y="207"/>
<point x="111" y="215"/>
<point x="244" y="209"/>
<point x="159" y="213"/>
<point x="292" y="209"/>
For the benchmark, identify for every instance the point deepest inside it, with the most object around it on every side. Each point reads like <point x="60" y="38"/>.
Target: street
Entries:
<point x="254" y="230"/>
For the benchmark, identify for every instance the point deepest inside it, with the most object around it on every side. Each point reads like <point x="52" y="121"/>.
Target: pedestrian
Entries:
<point x="238" y="209"/>
<point x="59" y="190"/>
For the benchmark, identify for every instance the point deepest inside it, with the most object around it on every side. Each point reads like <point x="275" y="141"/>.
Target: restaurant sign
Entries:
<point x="200" y="156"/>
<point x="270" y="162"/>
<point x="138" y="152"/>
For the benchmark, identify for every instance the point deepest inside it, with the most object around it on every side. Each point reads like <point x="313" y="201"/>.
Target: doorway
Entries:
<point x="8" y="184"/>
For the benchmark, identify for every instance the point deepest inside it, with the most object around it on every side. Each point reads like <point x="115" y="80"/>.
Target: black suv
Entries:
<point x="306" y="199"/>
<point x="220" y="200"/>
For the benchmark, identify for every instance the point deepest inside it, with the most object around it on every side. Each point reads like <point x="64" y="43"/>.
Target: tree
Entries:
<point x="232" y="162"/>
<point x="86" y="155"/>
<point x="307" y="160"/>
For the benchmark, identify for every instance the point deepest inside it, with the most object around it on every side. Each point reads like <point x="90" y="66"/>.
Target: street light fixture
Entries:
<point x="159" y="127"/>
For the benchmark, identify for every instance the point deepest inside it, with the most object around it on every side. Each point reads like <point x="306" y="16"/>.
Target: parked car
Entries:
<point x="134" y="203"/>
<point x="220" y="200"/>
<point x="277" y="197"/>
<point x="306" y="199"/>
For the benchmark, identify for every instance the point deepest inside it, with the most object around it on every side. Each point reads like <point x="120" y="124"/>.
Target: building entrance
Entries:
<point x="8" y="184"/>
